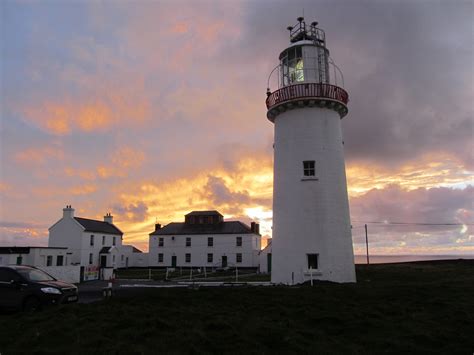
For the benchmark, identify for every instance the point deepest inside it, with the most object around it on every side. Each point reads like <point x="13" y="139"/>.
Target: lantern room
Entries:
<point x="307" y="59"/>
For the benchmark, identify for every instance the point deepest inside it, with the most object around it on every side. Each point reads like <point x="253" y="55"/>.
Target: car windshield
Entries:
<point x="35" y="275"/>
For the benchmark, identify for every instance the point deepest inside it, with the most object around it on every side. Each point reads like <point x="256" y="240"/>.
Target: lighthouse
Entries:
<point x="311" y="224"/>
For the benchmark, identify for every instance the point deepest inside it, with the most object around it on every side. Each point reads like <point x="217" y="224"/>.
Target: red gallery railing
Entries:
<point x="307" y="90"/>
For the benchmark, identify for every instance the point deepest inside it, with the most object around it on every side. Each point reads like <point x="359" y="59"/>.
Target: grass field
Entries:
<point x="425" y="307"/>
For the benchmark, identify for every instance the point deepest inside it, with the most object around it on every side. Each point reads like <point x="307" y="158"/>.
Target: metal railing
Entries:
<point x="307" y="90"/>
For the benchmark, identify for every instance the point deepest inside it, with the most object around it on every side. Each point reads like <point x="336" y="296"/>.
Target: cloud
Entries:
<point x="415" y="207"/>
<point x="132" y="212"/>
<point x="39" y="155"/>
<point x="122" y="162"/>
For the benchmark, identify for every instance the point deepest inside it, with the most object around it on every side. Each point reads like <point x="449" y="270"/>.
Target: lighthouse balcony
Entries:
<point x="307" y="95"/>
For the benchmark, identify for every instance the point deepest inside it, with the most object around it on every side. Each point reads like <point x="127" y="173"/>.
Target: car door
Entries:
<point x="10" y="288"/>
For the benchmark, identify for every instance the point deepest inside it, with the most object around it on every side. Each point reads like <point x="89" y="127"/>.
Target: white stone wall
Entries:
<point x="310" y="216"/>
<point x="263" y="259"/>
<point x="224" y="245"/>
<point x="69" y="273"/>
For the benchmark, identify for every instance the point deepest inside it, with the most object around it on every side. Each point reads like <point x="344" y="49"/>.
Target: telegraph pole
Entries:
<point x="367" y="244"/>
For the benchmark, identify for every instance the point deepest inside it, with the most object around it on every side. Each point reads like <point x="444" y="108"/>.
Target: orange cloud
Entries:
<point x="38" y="156"/>
<point x="94" y="117"/>
<point x="123" y="160"/>
<point x="83" y="189"/>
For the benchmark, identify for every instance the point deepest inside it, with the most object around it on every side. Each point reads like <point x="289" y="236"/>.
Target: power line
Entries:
<point x="416" y="223"/>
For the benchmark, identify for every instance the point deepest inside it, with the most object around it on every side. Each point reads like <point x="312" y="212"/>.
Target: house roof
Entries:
<point x="23" y="250"/>
<point x="204" y="213"/>
<point x="91" y="225"/>
<point x="233" y="227"/>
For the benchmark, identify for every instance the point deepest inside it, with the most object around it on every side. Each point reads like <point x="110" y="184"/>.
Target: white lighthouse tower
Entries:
<point x="311" y="224"/>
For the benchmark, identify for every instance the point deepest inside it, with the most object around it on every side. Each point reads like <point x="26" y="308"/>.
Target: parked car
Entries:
<point x="30" y="289"/>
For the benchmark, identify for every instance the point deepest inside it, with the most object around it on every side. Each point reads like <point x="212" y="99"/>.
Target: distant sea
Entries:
<point x="387" y="259"/>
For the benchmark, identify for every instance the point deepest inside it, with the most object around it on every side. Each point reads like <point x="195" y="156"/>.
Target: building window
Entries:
<point x="90" y="258"/>
<point x="210" y="241"/>
<point x="19" y="260"/>
<point x="210" y="258"/>
<point x="59" y="260"/>
<point x="309" y="168"/>
<point x="113" y="240"/>
<point x="188" y="241"/>
<point x="187" y="258"/>
<point x="160" y="258"/>
<point x="103" y="240"/>
<point x="312" y="261"/>
<point x="113" y="258"/>
<point x="238" y="241"/>
<point x="92" y="240"/>
<point x="161" y="242"/>
<point x="238" y="258"/>
<point x="49" y="260"/>
<point x="121" y="257"/>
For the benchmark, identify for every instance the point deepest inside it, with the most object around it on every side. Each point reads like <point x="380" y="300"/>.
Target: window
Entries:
<point x="90" y="259"/>
<point x="121" y="257"/>
<point x="238" y="241"/>
<point x="19" y="260"/>
<point x="161" y="242"/>
<point x="160" y="258"/>
<point x="49" y="260"/>
<point x="103" y="240"/>
<point x="309" y="168"/>
<point x="113" y="240"/>
<point x="92" y="240"/>
<point x="312" y="261"/>
<point x="238" y="258"/>
<point x="60" y="260"/>
<point x="113" y="258"/>
<point x="188" y="241"/>
<point x="210" y="258"/>
<point x="187" y="258"/>
<point x="210" y="241"/>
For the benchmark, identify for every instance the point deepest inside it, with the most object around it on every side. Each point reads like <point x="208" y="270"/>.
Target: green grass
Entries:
<point x="423" y="307"/>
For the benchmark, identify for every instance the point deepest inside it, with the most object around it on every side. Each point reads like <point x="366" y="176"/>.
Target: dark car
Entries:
<point x="29" y="288"/>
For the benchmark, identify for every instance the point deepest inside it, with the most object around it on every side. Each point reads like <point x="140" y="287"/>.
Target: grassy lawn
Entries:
<point x="425" y="307"/>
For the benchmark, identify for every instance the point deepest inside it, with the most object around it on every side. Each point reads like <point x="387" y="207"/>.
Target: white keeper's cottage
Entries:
<point x="204" y="239"/>
<point x="94" y="245"/>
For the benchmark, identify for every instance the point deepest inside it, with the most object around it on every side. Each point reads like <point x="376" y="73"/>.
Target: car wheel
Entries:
<point x="31" y="304"/>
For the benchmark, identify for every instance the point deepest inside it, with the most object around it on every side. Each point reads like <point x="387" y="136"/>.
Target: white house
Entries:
<point x="94" y="245"/>
<point x="265" y="257"/>
<point x="204" y="239"/>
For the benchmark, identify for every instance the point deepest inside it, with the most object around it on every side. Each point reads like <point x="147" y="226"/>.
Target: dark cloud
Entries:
<point x="133" y="212"/>
<point x="408" y="68"/>
<point x="428" y="206"/>
<point x="218" y="192"/>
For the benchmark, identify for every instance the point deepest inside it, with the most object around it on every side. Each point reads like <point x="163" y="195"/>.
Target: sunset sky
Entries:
<point x="152" y="109"/>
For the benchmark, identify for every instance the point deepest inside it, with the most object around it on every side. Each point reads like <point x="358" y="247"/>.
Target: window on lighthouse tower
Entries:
<point x="309" y="168"/>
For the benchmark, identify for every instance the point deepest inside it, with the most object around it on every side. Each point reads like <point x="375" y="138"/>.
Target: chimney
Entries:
<point x="255" y="227"/>
<point x="68" y="212"/>
<point x="109" y="218"/>
<point x="157" y="226"/>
